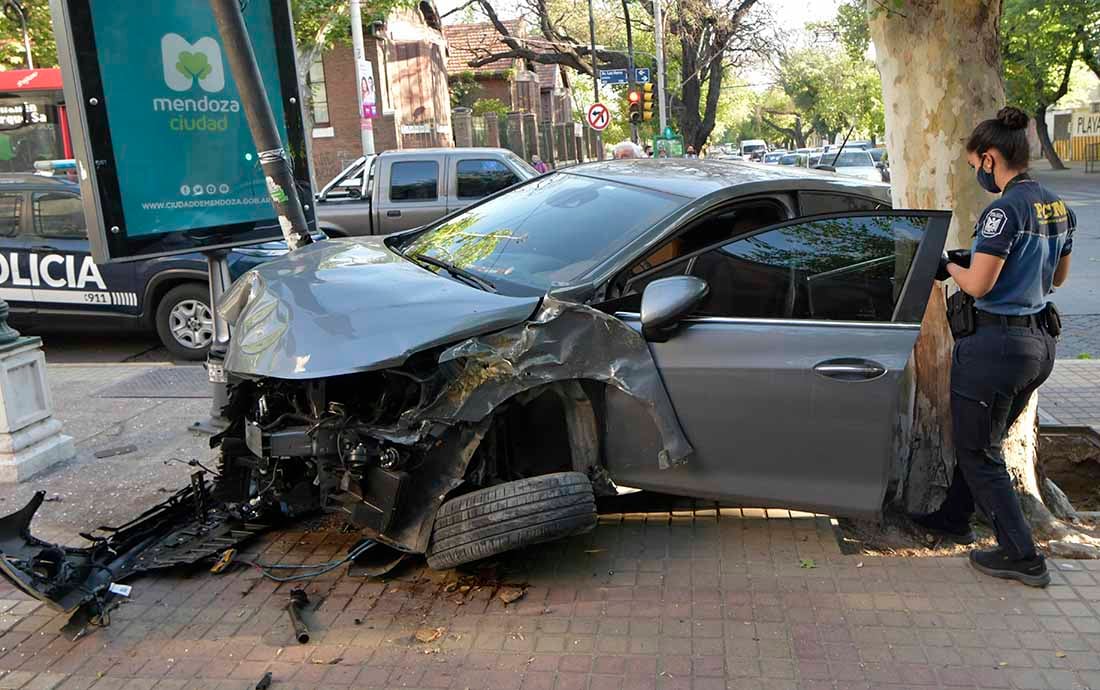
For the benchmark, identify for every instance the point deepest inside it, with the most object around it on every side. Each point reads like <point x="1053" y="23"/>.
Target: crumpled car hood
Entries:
<point x="347" y="305"/>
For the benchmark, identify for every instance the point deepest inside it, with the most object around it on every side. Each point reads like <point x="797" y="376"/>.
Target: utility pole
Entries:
<point x="595" y="75"/>
<point x="659" y="42"/>
<point x="630" y="77"/>
<point x="366" y="127"/>
<point x="261" y="122"/>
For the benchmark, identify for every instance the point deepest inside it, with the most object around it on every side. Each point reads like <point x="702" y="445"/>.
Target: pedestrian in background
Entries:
<point x="628" y="149"/>
<point x="1005" y="328"/>
<point x="539" y="165"/>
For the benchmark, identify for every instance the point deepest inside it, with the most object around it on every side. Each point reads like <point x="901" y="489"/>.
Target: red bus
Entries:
<point x="32" y="119"/>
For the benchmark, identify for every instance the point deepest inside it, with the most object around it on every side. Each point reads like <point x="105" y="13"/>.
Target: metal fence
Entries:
<point x="556" y="143"/>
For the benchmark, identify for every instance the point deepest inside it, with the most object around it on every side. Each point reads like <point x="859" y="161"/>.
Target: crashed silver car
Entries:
<point x="710" y="329"/>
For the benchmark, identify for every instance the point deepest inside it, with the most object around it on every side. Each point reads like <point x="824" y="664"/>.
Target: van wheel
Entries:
<point x="508" y="516"/>
<point x="185" y="323"/>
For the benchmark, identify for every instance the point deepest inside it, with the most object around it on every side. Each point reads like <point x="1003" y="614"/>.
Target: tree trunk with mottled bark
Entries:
<point x="1044" y="139"/>
<point x="940" y="68"/>
<point x="941" y="75"/>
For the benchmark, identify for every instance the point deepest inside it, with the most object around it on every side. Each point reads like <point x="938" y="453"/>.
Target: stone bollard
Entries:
<point x="492" y="130"/>
<point x="30" y="438"/>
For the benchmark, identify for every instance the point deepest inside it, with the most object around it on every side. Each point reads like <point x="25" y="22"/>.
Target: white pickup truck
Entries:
<point x="399" y="190"/>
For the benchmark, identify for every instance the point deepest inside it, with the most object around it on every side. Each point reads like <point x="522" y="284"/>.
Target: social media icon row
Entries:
<point x="199" y="190"/>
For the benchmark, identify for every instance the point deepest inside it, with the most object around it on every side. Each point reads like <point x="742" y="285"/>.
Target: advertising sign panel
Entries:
<point x="367" y="102"/>
<point x="167" y="162"/>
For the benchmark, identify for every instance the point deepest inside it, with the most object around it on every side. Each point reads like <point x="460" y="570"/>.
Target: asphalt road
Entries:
<point x="1081" y="293"/>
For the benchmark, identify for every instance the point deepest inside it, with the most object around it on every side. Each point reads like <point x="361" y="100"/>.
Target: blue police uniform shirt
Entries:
<point x="1031" y="229"/>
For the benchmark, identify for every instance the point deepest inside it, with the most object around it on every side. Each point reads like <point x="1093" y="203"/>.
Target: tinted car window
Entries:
<point x="848" y="269"/>
<point x="482" y="177"/>
<point x="414" y="181"/>
<point x="11" y="206"/>
<point x="818" y="203"/>
<point x="544" y="234"/>
<point x="58" y="215"/>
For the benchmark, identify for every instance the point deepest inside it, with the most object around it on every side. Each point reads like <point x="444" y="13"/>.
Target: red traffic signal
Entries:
<point x="634" y="96"/>
<point x="634" y="100"/>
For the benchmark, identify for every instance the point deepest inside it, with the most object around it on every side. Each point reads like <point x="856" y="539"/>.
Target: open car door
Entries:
<point x="790" y="380"/>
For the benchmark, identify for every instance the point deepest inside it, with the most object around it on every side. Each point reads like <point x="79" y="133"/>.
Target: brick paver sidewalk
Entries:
<point x="701" y="600"/>
<point x="1072" y="393"/>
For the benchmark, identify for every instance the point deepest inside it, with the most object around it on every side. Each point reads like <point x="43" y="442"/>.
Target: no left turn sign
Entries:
<point x="598" y="117"/>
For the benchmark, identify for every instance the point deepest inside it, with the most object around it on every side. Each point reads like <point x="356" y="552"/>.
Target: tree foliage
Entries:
<point x="40" y="30"/>
<point x="1040" y="42"/>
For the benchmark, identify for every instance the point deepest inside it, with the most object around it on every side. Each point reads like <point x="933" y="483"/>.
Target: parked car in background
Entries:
<point x="854" y="164"/>
<point x="51" y="283"/>
<point x="882" y="162"/>
<point x="772" y="157"/>
<point x="706" y="329"/>
<point x="399" y="190"/>
<point x="753" y="149"/>
<point x="798" y="160"/>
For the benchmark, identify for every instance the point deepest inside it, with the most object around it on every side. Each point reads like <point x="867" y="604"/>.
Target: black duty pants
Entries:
<point x="994" y="373"/>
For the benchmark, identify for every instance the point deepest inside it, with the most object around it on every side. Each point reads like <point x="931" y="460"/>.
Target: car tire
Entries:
<point x="184" y="321"/>
<point x="508" y="516"/>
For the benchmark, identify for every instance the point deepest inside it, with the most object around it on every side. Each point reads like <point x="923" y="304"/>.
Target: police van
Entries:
<point x="51" y="283"/>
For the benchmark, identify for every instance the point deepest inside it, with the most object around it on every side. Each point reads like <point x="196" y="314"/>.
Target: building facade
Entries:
<point x="412" y="100"/>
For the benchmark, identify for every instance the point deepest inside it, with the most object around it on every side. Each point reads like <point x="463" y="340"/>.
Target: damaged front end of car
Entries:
<point x="382" y="433"/>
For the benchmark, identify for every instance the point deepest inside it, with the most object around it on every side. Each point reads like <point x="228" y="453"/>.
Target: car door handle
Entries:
<point x="850" y="369"/>
<point x="393" y="214"/>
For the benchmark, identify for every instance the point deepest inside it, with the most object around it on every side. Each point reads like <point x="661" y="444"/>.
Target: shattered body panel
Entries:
<point x="184" y="529"/>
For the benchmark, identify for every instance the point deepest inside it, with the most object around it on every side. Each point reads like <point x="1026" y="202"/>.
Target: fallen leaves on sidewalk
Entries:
<point x="510" y="594"/>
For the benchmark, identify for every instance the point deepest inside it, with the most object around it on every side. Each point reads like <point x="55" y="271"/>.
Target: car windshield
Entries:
<point x="545" y="234"/>
<point x="876" y="154"/>
<point x="789" y="159"/>
<point x="752" y="148"/>
<point x="853" y="159"/>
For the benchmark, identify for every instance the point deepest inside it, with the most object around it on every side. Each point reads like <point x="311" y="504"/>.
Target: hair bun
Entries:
<point x="1013" y="118"/>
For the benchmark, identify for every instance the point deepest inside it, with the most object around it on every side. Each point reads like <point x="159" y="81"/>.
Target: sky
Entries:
<point x="795" y="12"/>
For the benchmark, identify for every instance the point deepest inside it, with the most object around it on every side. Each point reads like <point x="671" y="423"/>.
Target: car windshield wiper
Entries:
<point x="461" y="273"/>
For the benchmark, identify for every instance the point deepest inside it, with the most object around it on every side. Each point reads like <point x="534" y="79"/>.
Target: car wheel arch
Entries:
<point x="161" y="284"/>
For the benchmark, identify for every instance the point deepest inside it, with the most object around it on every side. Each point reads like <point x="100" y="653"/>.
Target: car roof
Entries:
<point x="468" y="150"/>
<point x="697" y="178"/>
<point x="38" y="181"/>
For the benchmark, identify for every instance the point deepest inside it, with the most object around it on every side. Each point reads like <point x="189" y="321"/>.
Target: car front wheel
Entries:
<point x="508" y="516"/>
<point x="185" y="323"/>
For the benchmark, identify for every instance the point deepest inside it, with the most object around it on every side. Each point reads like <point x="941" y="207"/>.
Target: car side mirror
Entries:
<point x="826" y="168"/>
<point x="666" y="301"/>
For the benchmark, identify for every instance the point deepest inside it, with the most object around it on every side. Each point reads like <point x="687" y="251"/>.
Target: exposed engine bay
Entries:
<point x="383" y="448"/>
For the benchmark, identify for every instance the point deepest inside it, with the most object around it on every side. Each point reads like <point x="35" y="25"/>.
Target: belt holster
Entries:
<point x="960" y="314"/>
<point x="1052" y="319"/>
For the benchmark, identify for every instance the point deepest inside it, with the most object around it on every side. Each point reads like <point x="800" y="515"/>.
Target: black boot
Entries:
<point x="1030" y="571"/>
<point x="937" y="524"/>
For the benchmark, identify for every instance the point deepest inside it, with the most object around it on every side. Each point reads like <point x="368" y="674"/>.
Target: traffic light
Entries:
<point x="635" y="100"/>
<point x="647" y="101"/>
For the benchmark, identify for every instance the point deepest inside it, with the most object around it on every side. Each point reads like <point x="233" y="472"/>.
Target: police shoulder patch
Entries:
<point x="994" y="223"/>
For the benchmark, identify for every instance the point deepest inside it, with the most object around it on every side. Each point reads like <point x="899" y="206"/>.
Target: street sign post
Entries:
<point x="612" y="76"/>
<point x="167" y="161"/>
<point x="641" y="75"/>
<point x="598" y="117"/>
<point x="668" y="145"/>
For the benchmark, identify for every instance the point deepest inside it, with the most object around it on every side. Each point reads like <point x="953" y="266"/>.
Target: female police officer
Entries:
<point x="1021" y="249"/>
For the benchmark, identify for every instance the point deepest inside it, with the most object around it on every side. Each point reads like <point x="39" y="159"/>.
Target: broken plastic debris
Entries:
<point x="121" y="590"/>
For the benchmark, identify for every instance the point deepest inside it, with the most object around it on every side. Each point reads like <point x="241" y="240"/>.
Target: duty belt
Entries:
<point x="984" y="318"/>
